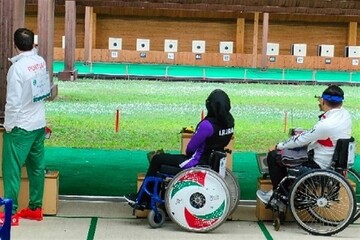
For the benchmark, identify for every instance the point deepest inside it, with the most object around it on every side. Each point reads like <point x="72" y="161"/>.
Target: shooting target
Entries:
<point x="226" y="47"/>
<point x="198" y="46"/>
<point x="115" y="43"/>
<point x="170" y="45"/>
<point x="142" y="45"/>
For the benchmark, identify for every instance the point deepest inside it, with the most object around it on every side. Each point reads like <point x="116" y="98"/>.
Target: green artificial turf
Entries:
<point x="97" y="172"/>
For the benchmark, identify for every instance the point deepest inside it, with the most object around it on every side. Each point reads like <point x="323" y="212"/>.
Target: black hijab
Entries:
<point x="218" y="109"/>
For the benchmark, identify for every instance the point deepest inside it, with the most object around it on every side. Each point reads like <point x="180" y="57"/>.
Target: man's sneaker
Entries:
<point x="14" y="219"/>
<point x="264" y="196"/>
<point x="131" y="198"/>
<point x="31" y="214"/>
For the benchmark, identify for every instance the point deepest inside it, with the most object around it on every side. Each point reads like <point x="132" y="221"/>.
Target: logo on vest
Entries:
<point x="224" y="132"/>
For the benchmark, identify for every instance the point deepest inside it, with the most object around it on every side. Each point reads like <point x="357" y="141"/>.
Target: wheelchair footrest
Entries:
<point x="262" y="212"/>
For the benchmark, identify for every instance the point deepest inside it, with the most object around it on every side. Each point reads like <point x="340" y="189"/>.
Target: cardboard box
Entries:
<point x="50" y="198"/>
<point x="185" y="138"/>
<point x="51" y="193"/>
<point x="261" y="212"/>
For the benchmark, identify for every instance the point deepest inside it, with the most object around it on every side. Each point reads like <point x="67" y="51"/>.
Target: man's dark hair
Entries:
<point x="336" y="91"/>
<point x="24" y="39"/>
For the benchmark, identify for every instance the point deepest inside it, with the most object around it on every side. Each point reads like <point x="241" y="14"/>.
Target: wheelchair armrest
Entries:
<point x="297" y="171"/>
<point x="204" y="166"/>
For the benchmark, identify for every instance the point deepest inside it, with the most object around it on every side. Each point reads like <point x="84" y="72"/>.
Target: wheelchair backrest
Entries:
<point x="217" y="162"/>
<point x="344" y="154"/>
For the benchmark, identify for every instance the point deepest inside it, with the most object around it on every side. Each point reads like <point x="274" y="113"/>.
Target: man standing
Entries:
<point x="23" y="140"/>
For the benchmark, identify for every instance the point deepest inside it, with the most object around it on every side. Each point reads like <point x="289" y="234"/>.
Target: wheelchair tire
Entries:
<point x="197" y="200"/>
<point x="234" y="190"/>
<point x="277" y="224"/>
<point x="354" y="176"/>
<point x="282" y="217"/>
<point x="322" y="202"/>
<point x="156" y="220"/>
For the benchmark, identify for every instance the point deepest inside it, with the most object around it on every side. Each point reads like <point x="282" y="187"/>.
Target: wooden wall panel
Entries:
<point x="240" y="32"/>
<point x="79" y="54"/>
<point x="213" y="59"/>
<point x="313" y="62"/>
<point x="213" y="31"/>
<point x="245" y="60"/>
<point x="59" y="25"/>
<point x="352" y="34"/>
<point x="248" y="40"/>
<point x="31" y="23"/>
<point x="313" y="34"/>
<point x="96" y="53"/>
<point x="358" y="35"/>
<point x="59" y="54"/>
<point x="346" y="65"/>
<point x="185" y="57"/>
<point x="157" y="30"/>
<point x="285" y="33"/>
<point x="278" y="63"/>
<point x="322" y="64"/>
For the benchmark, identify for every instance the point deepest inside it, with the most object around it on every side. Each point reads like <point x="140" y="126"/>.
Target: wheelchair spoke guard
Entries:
<point x="198" y="199"/>
<point x="322" y="202"/>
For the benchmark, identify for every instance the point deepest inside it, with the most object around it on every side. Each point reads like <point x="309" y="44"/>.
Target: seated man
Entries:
<point x="335" y="123"/>
<point x="213" y="133"/>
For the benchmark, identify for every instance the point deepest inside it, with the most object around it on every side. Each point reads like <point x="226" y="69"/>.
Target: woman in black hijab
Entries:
<point x="213" y="133"/>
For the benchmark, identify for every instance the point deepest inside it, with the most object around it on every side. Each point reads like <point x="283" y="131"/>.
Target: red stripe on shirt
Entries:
<point x="326" y="142"/>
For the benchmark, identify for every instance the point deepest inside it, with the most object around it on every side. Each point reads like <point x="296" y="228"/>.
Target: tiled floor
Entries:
<point x="84" y="220"/>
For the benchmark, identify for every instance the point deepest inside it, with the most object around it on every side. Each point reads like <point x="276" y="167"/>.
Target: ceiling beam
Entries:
<point x="308" y="7"/>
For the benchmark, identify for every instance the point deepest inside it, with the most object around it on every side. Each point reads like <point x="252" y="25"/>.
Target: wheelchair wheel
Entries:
<point x="234" y="190"/>
<point x="322" y="202"/>
<point x="355" y="177"/>
<point x="277" y="224"/>
<point x="156" y="220"/>
<point x="197" y="199"/>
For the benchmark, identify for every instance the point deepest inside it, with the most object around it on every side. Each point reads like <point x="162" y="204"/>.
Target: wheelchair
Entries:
<point x="198" y="199"/>
<point x="5" y="229"/>
<point x="321" y="201"/>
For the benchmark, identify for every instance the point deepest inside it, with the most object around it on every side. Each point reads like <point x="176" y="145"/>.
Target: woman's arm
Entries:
<point x="204" y="130"/>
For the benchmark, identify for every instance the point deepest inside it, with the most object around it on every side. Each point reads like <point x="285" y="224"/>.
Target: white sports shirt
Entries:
<point x="20" y="110"/>
<point x="334" y="124"/>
